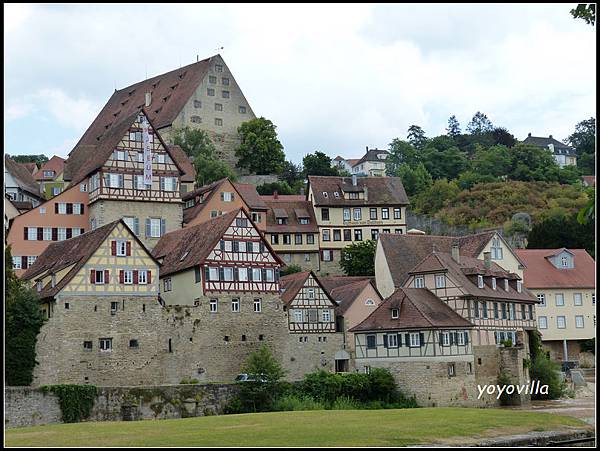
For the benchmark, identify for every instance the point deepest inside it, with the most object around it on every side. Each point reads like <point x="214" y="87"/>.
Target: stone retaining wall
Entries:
<point x="26" y="406"/>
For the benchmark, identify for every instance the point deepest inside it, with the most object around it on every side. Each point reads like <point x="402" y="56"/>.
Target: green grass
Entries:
<point x="309" y="428"/>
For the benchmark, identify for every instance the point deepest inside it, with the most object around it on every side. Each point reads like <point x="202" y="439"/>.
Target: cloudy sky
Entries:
<point x="334" y="78"/>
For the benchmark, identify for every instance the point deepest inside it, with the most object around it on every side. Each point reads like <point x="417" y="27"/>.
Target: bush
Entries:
<point x="588" y="346"/>
<point x="548" y="373"/>
<point x="76" y="401"/>
<point x="346" y="403"/>
<point x="290" y="269"/>
<point x="187" y="380"/>
<point x="295" y="403"/>
<point x="507" y="343"/>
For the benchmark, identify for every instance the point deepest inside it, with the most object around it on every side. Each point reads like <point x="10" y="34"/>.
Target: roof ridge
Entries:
<point x="416" y="306"/>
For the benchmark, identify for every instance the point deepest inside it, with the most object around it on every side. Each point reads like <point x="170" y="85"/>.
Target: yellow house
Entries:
<point x="564" y="282"/>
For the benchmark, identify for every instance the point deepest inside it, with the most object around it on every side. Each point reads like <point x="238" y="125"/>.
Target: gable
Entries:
<point x="311" y="294"/>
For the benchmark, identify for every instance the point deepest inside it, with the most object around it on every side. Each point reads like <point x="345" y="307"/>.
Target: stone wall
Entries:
<point x="257" y="180"/>
<point x="25" y="406"/>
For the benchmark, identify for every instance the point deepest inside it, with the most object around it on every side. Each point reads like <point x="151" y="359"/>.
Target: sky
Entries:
<point x="332" y="77"/>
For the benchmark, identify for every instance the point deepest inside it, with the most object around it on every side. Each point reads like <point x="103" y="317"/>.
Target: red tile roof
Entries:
<point x="590" y="180"/>
<point x="183" y="161"/>
<point x="385" y="191"/>
<point x="541" y="273"/>
<point x="31" y="167"/>
<point x="56" y="164"/>
<point x="22" y="176"/>
<point x="207" y="192"/>
<point x="291" y="209"/>
<point x="345" y="290"/>
<point x="418" y="308"/>
<point x="250" y="196"/>
<point x="293" y="283"/>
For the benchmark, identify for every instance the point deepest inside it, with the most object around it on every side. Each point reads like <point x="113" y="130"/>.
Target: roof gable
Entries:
<point x="22" y="176"/>
<point x="55" y="164"/>
<point x="378" y="191"/>
<point x="542" y="273"/>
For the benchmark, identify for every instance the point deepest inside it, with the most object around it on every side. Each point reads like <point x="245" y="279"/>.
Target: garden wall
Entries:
<point x="26" y="406"/>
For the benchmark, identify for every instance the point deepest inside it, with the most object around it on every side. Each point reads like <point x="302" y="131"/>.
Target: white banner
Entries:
<point x="147" y="154"/>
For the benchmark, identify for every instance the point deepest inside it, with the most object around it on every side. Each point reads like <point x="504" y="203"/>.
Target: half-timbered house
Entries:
<point x="111" y="169"/>
<point x="99" y="293"/>
<point x="426" y="345"/>
<point x="315" y="338"/>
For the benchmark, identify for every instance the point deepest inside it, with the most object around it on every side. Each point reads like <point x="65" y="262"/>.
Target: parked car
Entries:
<point x="250" y="378"/>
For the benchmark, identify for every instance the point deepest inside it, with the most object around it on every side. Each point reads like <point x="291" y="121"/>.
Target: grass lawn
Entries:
<point x="309" y="428"/>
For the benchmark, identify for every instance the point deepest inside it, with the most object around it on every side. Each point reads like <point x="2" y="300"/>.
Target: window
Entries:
<point x="218" y="107"/>
<point x="415" y="340"/>
<point x="560" y="299"/>
<point x="496" y="249"/>
<point x="56" y="190"/>
<point x="392" y="340"/>
<point x="579" y="321"/>
<point x="62" y="233"/>
<point x="235" y="305"/>
<point x="519" y="286"/>
<point x="385" y="213"/>
<point x="47" y="234"/>
<point x="257" y="306"/>
<point x="371" y="341"/>
<point x="213" y="306"/>
<point x="48" y="173"/>
<point x="225" y="94"/>
<point x="311" y="293"/>
<point x="484" y="309"/>
<point x="511" y="311"/>
<point x="298" y="316"/>
<point x="326" y="235"/>
<point x="274" y="238"/>
<point x="243" y="274"/>
<point x="168" y="183"/>
<point x="542" y="299"/>
<point x="495" y="310"/>
<point x="270" y="275"/>
<point x="369" y="302"/>
<point x="42" y="210"/>
<point x="395" y="313"/>
<point x="493" y="283"/>
<point x="32" y="233"/>
<point x="242" y="109"/>
<point x="357" y="214"/>
<point x="397" y="213"/>
<point x="325" y="194"/>
<point x="480" y="281"/>
<point x="287" y="238"/>
<point x="119" y="155"/>
<point x="353" y="196"/>
<point x="114" y="306"/>
<point x="440" y="281"/>
<point x="357" y="235"/>
<point x="106" y="344"/>
<point x="128" y="278"/>
<point x="419" y="282"/>
<point x="241" y="222"/>
<point x="99" y="277"/>
<point x="577" y="299"/>
<point x="310" y="238"/>
<point x="87" y="345"/>
<point x="212" y="79"/>
<point x="326" y="316"/>
<point x="327" y="255"/>
<point x="213" y="273"/>
<point x="121" y="248"/>
<point x="134" y="344"/>
<point x="142" y="277"/>
<point x="210" y="92"/>
<point x="451" y="370"/>
<point x="256" y="274"/>
<point x="523" y="314"/>
<point x="530" y="308"/>
<point x="506" y="285"/>
<point x="16" y="262"/>
<point x="325" y="214"/>
<point x="503" y="307"/>
<point x="228" y="274"/>
<point x="218" y="121"/>
<point x="218" y="68"/>
<point x="564" y="262"/>
<point x="372" y="213"/>
<point x="225" y="81"/>
<point x="298" y="238"/>
<point x="197" y="104"/>
<point x="154" y="227"/>
<point x="347" y="214"/>
<point x="476" y="309"/>
<point x="561" y="322"/>
<point x="168" y="284"/>
<point x="461" y="338"/>
<point x="196" y="119"/>
<point x="374" y="234"/>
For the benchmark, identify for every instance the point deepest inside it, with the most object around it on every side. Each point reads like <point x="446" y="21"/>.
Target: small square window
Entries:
<point x="218" y="121"/>
<point x="242" y="109"/>
<point x="134" y="344"/>
<point x="87" y="345"/>
<point x="225" y="94"/>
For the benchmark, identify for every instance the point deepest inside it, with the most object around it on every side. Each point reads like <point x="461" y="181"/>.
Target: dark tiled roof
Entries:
<point x="62" y="254"/>
<point x="291" y="285"/>
<point x="170" y="92"/>
<point x="380" y="191"/>
<point x="31" y="167"/>
<point x="283" y="197"/>
<point x="371" y="155"/>
<point x="290" y="210"/>
<point x="404" y="252"/>
<point x="544" y="142"/>
<point x="541" y="273"/>
<point x="56" y="164"/>
<point x="195" y="243"/>
<point x="250" y="196"/>
<point x="183" y="161"/>
<point x="22" y="176"/>
<point x="22" y="205"/>
<point x="418" y="308"/>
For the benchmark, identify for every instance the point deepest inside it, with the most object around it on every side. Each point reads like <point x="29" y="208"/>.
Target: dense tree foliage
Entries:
<point x="358" y="259"/>
<point x="584" y="142"/>
<point x="23" y="321"/>
<point x="562" y="230"/>
<point x="260" y="151"/>
<point x="194" y="142"/>
<point x="209" y="170"/>
<point x="415" y="179"/>
<point x="416" y="136"/>
<point x="453" y="129"/>
<point x="39" y="160"/>
<point x="479" y="124"/>
<point x="269" y="188"/>
<point x="318" y="164"/>
<point x="585" y="11"/>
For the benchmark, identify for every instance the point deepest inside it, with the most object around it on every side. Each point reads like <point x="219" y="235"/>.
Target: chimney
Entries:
<point x="456" y="253"/>
<point x="550" y="136"/>
<point x="487" y="260"/>
<point x="148" y="98"/>
<point x="353" y="179"/>
<point x="275" y="194"/>
<point x="529" y="134"/>
<point x="367" y="147"/>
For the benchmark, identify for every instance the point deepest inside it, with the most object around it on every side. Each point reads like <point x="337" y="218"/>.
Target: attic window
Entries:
<point x="117" y="113"/>
<point x="395" y="313"/>
<point x="182" y="75"/>
<point x="480" y="281"/>
<point x="174" y="86"/>
<point x="166" y="98"/>
<point x="124" y="102"/>
<point x="154" y="85"/>
<point x="505" y="284"/>
<point x="336" y="194"/>
<point x="184" y="255"/>
<point x="131" y="92"/>
<point x="325" y="194"/>
<point x="108" y="125"/>
<point x="158" y="110"/>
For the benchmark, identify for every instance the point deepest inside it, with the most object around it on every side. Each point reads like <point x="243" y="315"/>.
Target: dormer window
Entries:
<point x="519" y="286"/>
<point x="395" y="313"/>
<point x="48" y="173"/>
<point x="325" y="194"/>
<point x="304" y="221"/>
<point x="336" y="194"/>
<point x="39" y="285"/>
<point x="184" y="255"/>
<point x="353" y="196"/>
<point x="419" y="282"/>
<point x="564" y="261"/>
<point x="480" y="281"/>
<point x="440" y="281"/>
<point x="493" y="283"/>
<point x="505" y="284"/>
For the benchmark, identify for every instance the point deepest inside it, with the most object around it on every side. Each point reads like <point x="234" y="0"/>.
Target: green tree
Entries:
<point x="494" y="161"/>
<point x="443" y="160"/>
<point x="23" y="321"/>
<point x="291" y="173"/>
<point x="401" y="152"/>
<point x="318" y="164"/>
<point x="416" y="137"/>
<point x="414" y="180"/>
<point x="358" y="259"/>
<point x="258" y="394"/>
<point x="194" y="142"/>
<point x="502" y="136"/>
<point x="266" y="189"/>
<point x="441" y="193"/>
<point x="39" y="160"/>
<point x="587" y="213"/>
<point x="562" y="230"/>
<point x="260" y="151"/>
<point x="530" y="162"/>
<point x="584" y="142"/>
<point x="479" y="124"/>
<point x="585" y="11"/>
<point x="209" y="170"/>
<point x="291" y="269"/>
<point x="469" y="179"/>
<point x="453" y="129"/>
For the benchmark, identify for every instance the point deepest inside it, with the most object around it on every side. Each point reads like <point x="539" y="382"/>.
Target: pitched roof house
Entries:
<point x="372" y="191"/>
<point x="20" y="184"/>
<point x="563" y="154"/>
<point x="50" y="176"/>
